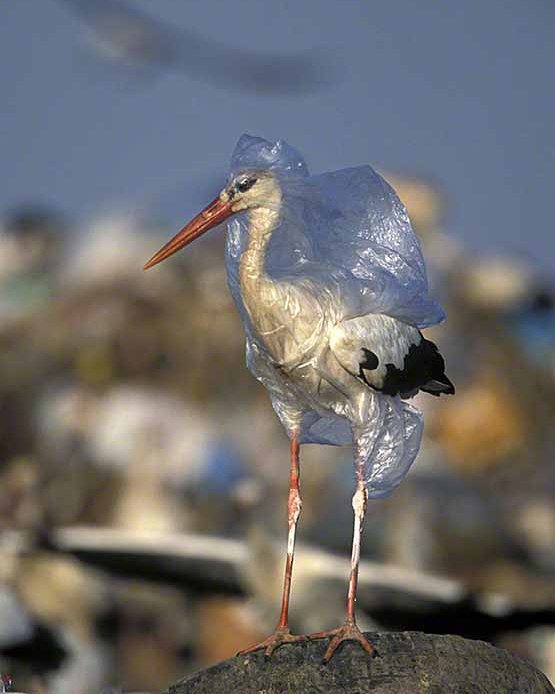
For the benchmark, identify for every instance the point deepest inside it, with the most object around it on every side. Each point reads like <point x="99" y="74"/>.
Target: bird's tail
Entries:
<point x="439" y="386"/>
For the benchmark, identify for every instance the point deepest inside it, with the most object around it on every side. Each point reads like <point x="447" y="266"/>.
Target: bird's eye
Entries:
<point x="245" y="185"/>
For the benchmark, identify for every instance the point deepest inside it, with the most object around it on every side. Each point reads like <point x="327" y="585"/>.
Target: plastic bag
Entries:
<point x="344" y="240"/>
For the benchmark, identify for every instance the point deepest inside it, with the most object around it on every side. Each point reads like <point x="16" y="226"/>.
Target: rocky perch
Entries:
<point x="407" y="663"/>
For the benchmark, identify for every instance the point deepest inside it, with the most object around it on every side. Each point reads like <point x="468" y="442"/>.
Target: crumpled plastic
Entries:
<point x="347" y="234"/>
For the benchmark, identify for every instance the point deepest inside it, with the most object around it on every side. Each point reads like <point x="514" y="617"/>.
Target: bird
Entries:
<point x="128" y="38"/>
<point x="329" y="279"/>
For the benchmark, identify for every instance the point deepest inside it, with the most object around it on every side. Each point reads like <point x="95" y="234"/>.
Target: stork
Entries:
<point x="329" y="279"/>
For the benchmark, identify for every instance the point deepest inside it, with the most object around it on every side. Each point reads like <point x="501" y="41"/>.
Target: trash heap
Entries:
<point x="125" y="405"/>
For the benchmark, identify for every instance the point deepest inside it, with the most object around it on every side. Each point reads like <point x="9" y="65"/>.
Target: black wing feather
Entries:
<point x="423" y="369"/>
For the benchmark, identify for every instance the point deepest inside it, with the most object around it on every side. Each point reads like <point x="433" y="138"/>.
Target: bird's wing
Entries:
<point x="389" y="356"/>
<point x="137" y="39"/>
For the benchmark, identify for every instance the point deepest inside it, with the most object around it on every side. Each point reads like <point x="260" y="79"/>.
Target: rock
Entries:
<point x="407" y="663"/>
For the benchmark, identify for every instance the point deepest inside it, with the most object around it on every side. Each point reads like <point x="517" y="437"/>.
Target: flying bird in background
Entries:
<point x="130" y="38"/>
<point x="329" y="279"/>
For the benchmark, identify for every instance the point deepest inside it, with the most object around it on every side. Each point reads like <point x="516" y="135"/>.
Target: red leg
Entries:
<point x="349" y="631"/>
<point x="282" y="634"/>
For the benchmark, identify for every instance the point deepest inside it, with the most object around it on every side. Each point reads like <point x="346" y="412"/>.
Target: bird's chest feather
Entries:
<point x="288" y="320"/>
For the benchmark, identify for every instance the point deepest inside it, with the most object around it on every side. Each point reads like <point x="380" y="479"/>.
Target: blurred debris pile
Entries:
<point x="125" y="406"/>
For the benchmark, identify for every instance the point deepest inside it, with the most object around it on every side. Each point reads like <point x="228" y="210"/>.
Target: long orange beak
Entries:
<point x="212" y="215"/>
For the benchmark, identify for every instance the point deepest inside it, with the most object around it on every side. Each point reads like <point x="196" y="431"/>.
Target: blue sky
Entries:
<point x="460" y="91"/>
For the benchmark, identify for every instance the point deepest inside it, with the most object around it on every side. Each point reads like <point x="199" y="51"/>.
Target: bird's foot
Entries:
<point x="280" y="636"/>
<point x="347" y="632"/>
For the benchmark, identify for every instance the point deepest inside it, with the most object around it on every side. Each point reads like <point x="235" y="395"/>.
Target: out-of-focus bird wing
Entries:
<point x="127" y="36"/>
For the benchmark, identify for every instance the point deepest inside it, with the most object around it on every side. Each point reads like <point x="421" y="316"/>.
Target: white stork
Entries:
<point x="329" y="279"/>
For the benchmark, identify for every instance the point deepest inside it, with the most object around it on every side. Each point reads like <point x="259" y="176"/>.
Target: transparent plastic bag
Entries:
<point x="344" y="238"/>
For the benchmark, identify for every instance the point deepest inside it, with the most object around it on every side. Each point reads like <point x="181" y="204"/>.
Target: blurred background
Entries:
<point x="143" y="475"/>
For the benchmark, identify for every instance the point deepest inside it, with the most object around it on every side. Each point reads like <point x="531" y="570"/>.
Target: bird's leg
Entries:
<point x="294" y="504"/>
<point x="282" y="634"/>
<point x="349" y="631"/>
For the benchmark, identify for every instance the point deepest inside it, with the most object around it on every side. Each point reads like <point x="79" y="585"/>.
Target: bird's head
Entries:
<point x="246" y="190"/>
<point x="250" y="189"/>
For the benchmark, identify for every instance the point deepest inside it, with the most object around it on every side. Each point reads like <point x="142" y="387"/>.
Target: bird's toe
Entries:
<point x="280" y="637"/>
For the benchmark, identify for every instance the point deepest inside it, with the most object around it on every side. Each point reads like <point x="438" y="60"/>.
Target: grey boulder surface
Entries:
<point x="406" y="663"/>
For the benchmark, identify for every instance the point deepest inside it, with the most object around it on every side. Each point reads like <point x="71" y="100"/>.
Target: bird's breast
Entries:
<point x="288" y="320"/>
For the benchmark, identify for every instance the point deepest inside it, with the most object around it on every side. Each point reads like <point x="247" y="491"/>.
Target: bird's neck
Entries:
<point x="262" y="222"/>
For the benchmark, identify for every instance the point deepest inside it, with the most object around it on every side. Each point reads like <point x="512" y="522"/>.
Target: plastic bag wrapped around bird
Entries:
<point x="331" y="284"/>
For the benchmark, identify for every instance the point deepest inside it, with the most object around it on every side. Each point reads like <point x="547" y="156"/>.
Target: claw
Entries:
<point x="346" y="632"/>
<point x="281" y="636"/>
